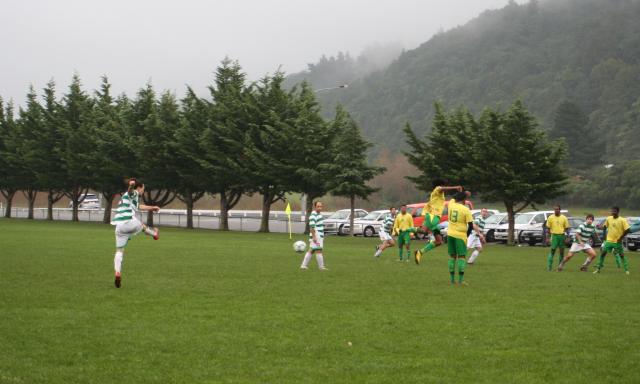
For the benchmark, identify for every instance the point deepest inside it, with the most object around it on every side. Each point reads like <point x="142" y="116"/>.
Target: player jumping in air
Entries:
<point x="432" y="211"/>
<point x="617" y="228"/>
<point x="474" y="240"/>
<point x="585" y="232"/>
<point x="316" y="238"/>
<point x="128" y="225"/>
<point x="558" y="225"/>
<point x="385" y="232"/>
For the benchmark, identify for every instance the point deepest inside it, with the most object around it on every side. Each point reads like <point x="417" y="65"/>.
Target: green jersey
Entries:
<point x="316" y="221"/>
<point x="127" y="207"/>
<point x="387" y="224"/>
<point x="586" y="232"/>
<point x="479" y="221"/>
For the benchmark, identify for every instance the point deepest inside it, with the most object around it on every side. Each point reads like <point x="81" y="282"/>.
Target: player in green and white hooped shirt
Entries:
<point x="474" y="241"/>
<point x="584" y="233"/>
<point x="316" y="238"/>
<point x="385" y="233"/>
<point x="127" y="224"/>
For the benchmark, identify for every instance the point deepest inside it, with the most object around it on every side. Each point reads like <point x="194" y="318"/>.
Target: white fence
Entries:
<point x="238" y="220"/>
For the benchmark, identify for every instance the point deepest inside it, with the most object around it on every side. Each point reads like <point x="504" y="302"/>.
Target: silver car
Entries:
<point x="369" y="225"/>
<point x="334" y="224"/>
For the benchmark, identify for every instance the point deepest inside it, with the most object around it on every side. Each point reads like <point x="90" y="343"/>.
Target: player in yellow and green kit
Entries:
<point x="558" y="225"/>
<point x="403" y="228"/>
<point x="460" y="225"/>
<point x="432" y="211"/>
<point x="617" y="228"/>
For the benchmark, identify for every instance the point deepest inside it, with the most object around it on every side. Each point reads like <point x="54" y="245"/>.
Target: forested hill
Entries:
<point x="584" y="54"/>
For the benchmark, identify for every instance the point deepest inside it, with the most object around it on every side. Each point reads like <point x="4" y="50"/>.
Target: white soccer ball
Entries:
<point x="299" y="246"/>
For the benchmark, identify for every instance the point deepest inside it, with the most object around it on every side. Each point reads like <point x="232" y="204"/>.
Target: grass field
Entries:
<point x="204" y="306"/>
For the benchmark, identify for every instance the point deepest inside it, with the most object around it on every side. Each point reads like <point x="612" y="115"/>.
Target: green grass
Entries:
<point x="205" y="306"/>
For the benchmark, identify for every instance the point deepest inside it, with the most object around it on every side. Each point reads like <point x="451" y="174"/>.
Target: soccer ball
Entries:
<point x="299" y="246"/>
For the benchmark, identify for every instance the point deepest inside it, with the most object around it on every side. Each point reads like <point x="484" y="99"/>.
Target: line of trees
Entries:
<point x="245" y="138"/>
<point x="503" y="156"/>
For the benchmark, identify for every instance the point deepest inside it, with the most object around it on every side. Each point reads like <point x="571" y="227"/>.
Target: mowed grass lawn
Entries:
<point x="205" y="306"/>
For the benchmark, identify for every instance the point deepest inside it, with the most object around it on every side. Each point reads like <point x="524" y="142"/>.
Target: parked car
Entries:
<point x="529" y="227"/>
<point x="369" y="225"/>
<point x="632" y="240"/>
<point x="334" y="224"/>
<point x="87" y="201"/>
<point x="491" y="223"/>
<point x="476" y="212"/>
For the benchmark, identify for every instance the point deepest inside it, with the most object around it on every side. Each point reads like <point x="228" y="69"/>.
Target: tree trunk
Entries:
<point x="74" y="214"/>
<point x="52" y="198"/>
<point x="308" y="209"/>
<point x="266" y="210"/>
<point x="8" y="195"/>
<point x="108" y="198"/>
<point x="351" y="216"/>
<point x="30" y="194"/>
<point x="150" y="218"/>
<point x="189" y="202"/>
<point x="224" y="212"/>
<point x="511" y="219"/>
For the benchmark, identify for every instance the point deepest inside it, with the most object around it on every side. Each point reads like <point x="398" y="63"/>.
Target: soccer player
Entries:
<point x="385" y="233"/>
<point x="617" y="229"/>
<point x="403" y="228"/>
<point x="475" y="241"/>
<point x="128" y="225"/>
<point x="432" y="211"/>
<point x="584" y="233"/>
<point x="558" y="225"/>
<point x="460" y="225"/>
<point x="316" y="238"/>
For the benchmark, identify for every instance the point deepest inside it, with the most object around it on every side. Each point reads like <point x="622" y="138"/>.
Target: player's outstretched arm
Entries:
<point x="153" y="208"/>
<point x="453" y="188"/>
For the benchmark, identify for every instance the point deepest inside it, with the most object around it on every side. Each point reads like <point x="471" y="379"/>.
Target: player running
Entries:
<point x="585" y="232"/>
<point x="385" y="233"/>
<point x="316" y="238"/>
<point x="432" y="211"/>
<point x="128" y="225"/>
<point x="460" y="224"/>
<point x="474" y="240"/>
<point x="403" y="228"/>
<point x="617" y="228"/>
<point x="558" y="225"/>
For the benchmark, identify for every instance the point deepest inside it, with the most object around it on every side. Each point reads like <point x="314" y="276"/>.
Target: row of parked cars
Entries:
<point x="529" y="227"/>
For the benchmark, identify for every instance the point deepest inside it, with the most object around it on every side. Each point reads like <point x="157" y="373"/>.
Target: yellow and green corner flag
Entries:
<point x="288" y="212"/>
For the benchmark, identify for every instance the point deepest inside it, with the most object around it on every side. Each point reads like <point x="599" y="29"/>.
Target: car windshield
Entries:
<point x="494" y="219"/>
<point x="372" y="216"/>
<point x="575" y="223"/>
<point x="524" y="218"/>
<point x="340" y="215"/>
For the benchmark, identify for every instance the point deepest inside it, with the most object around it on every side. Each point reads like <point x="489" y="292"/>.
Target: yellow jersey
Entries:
<point x="402" y="222"/>
<point x="615" y="228"/>
<point x="435" y="205"/>
<point x="459" y="219"/>
<point x="557" y="224"/>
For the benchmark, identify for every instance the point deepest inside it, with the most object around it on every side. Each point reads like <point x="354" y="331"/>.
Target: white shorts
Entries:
<point x="577" y="247"/>
<point x="126" y="229"/>
<point x="474" y="241"/>
<point x="316" y="246"/>
<point x="384" y="236"/>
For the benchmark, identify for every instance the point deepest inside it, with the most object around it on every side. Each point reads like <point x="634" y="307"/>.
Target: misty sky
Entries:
<point x="173" y="43"/>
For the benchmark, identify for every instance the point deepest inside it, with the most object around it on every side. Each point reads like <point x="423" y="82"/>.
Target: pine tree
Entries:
<point x="571" y="124"/>
<point x="8" y="181"/>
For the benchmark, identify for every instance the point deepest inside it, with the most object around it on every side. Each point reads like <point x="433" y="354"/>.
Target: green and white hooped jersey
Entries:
<point x="480" y="222"/>
<point x="127" y="207"/>
<point x="387" y="224"/>
<point x="316" y="221"/>
<point x="586" y="232"/>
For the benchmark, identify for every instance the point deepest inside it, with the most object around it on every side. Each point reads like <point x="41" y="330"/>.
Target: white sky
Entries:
<point x="173" y="43"/>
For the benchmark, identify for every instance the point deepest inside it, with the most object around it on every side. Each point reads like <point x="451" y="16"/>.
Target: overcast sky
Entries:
<point x="173" y="43"/>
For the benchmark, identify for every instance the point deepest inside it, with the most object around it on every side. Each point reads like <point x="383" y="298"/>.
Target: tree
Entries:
<point x="112" y="160"/>
<point x="513" y="161"/>
<point x="8" y="182"/>
<point x="571" y="124"/>
<point x="77" y="147"/>
<point x="190" y="186"/>
<point x="267" y="147"/>
<point x="50" y="170"/>
<point x="222" y="142"/>
<point x="350" y="170"/>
